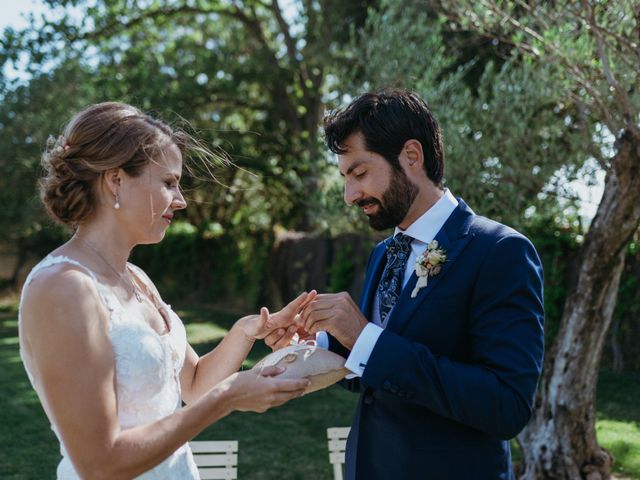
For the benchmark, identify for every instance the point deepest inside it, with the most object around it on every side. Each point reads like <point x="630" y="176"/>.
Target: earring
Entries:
<point x="117" y="204"/>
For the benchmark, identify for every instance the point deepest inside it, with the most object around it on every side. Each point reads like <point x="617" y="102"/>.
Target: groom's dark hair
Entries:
<point x="387" y="119"/>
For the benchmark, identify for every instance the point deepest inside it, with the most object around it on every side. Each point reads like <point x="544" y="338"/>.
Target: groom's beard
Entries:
<point x="396" y="201"/>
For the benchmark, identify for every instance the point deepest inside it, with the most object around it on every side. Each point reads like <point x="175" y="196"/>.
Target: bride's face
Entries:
<point x="149" y="201"/>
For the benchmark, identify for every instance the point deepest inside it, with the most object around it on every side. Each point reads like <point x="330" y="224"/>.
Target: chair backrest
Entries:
<point x="337" y="437"/>
<point x="216" y="459"/>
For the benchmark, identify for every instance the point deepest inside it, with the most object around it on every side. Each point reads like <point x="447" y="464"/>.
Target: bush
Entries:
<point x="216" y="266"/>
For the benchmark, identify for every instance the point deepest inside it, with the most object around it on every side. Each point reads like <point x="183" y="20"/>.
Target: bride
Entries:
<point x="107" y="356"/>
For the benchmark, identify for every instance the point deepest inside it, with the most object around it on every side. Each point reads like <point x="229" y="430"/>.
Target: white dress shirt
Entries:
<point x="423" y="231"/>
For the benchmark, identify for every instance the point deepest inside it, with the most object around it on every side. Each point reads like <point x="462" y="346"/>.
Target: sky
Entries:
<point x="12" y="14"/>
<point x="11" y="10"/>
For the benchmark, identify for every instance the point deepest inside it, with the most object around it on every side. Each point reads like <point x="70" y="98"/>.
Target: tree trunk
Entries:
<point x="560" y="440"/>
<point x="617" y="358"/>
<point x="312" y="156"/>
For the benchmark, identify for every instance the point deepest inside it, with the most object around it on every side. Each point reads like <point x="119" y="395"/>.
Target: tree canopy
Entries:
<point x="512" y="143"/>
<point x="251" y="77"/>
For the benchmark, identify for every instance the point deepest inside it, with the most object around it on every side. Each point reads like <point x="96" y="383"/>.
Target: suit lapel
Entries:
<point x="378" y="261"/>
<point x="453" y="237"/>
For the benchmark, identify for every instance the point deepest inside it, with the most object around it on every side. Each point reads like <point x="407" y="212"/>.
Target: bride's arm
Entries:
<point x="64" y="334"/>
<point x="199" y="374"/>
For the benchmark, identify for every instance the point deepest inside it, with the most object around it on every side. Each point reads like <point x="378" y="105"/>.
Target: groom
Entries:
<point x="447" y="341"/>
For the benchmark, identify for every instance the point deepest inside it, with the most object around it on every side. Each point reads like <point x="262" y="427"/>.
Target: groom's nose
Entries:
<point x="351" y="193"/>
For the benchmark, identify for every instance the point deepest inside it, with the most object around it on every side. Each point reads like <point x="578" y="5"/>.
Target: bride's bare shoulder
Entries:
<point x="58" y="278"/>
<point x="56" y="292"/>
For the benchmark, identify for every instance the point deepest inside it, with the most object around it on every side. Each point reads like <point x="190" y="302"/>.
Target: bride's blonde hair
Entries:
<point x="100" y="138"/>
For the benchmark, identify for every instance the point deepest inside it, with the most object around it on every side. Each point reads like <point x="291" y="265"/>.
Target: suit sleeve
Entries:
<point x="352" y="384"/>
<point x="493" y="390"/>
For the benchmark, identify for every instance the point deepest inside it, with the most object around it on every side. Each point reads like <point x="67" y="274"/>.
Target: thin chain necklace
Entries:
<point x="134" y="288"/>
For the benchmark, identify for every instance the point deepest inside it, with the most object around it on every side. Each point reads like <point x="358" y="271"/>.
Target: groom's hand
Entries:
<point x="282" y="326"/>
<point x="281" y="337"/>
<point x="335" y="313"/>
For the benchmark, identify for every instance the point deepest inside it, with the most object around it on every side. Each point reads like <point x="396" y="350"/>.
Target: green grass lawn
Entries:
<point x="287" y="443"/>
<point x="618" y="420"/>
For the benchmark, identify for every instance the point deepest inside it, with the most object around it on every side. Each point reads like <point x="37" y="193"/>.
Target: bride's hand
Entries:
<point x="281" y="338"/>
<point x="283" y="322"/>
<point x="258" y="391"/>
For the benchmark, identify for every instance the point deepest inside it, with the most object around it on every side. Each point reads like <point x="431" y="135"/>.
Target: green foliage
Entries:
<point x="28" y="115"/>
<point x="334" y="215"/>
<point x="589" y="48"/>
<point x="506" y="132"/>
<point x="341" y="270"/>
<point x="557" y="245"/>
<point x="626" y="323"/>
<point x="558" y="242"/>
<point x="190" y="263"/>
<point x="247" y="76"/>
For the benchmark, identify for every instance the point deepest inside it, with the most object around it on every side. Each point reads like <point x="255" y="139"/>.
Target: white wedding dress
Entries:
<point x="147" y="366"/>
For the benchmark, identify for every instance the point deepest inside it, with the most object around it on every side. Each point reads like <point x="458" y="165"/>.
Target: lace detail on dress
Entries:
<point x="147" y="368"/>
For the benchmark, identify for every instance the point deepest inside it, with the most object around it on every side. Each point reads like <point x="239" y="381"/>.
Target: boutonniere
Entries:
<point x="428" y="265"/>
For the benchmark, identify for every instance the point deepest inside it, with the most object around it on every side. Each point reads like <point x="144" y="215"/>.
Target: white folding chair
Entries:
<point x="337" y="437"/>
<point x="216" y="459"/>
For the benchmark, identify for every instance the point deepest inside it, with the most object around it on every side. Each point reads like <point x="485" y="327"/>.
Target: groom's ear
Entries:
<point x="412" y="156"/>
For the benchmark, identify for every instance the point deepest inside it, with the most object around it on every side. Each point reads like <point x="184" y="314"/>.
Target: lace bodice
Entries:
<point x="147" y="367"/>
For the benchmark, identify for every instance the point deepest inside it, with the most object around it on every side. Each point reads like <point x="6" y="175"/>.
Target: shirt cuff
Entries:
<point x="362" y="349"/>
<point x="322" y="340"/>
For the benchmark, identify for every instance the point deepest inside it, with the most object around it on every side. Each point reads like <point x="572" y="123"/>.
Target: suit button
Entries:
<point x="387" y="385"/>
<point x="368" y="399"/>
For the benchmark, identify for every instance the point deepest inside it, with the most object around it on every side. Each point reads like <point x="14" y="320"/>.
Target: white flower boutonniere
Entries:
<point x="428" y="265"/>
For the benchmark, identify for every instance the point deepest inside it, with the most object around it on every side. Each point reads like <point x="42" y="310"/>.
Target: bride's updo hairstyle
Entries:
<point x="100" y="138"/>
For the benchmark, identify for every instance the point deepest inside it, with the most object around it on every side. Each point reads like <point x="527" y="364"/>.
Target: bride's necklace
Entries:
<point x="134" y="288"/>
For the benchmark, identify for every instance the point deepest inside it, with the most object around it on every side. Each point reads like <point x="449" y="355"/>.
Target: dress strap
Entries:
<point x="151" y="290"/>
<point x="51" y="260"/>
<point x="109" y="299"/>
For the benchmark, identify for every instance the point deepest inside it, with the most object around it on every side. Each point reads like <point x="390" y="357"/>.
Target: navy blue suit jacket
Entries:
<point x="453" y="375"/>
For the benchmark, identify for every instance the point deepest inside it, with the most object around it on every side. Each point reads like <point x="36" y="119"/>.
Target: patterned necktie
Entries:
<point x="391" y="282"/>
